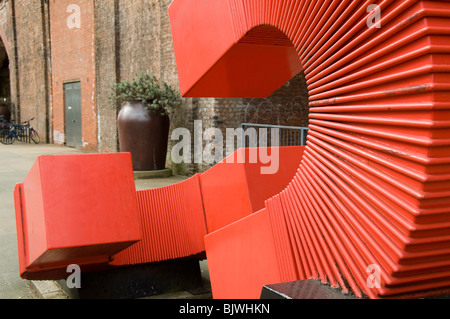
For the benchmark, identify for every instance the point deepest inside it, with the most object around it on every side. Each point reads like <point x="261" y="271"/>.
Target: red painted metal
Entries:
<point x="241" y="64"/>
<point x="75" y="209"/>
<point x="236" y="187"/>
<point x="81" y="213"/>
<point x="226" y="254"/>
<point x="173" y="224"/>
<point x="373" y="186"/>
<point x="188" y="218"/>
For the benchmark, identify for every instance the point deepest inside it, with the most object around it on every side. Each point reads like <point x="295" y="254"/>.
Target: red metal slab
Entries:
<point x="218" y="63"/>
<point x="238" y="186"/>
<point x="242" y="258"/>
<point x="225" y="194"/>
<point x="242" y="72"/>
<point x="264" y="186"/>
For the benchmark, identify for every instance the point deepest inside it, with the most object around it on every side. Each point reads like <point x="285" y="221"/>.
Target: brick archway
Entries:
<point x="373" y="186"/>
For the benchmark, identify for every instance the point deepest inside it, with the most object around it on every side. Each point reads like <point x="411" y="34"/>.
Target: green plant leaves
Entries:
<point x="159" y="97"/>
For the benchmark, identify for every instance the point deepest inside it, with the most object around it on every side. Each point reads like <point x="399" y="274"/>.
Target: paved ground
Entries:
<point x="15" y="162"/>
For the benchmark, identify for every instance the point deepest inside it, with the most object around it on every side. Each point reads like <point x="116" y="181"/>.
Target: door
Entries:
<point x="72" y="97"/>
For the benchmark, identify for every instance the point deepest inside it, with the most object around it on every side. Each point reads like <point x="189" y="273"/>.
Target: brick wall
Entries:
<point x="107" y="62"/>
<point x="33" y="85"/>
<point x="140" y="31"/>
<point x="288" y="106"/>
<point x="73" y="59"/>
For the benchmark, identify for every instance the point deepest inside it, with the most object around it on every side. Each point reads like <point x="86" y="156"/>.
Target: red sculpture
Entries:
<point x="372" y="191"/>
<point x="365" y="207"/>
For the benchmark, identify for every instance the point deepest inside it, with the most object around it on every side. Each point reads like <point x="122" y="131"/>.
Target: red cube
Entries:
<point x="75" y="209"/>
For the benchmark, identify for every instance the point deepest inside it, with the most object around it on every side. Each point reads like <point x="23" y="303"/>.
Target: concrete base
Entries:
<point x="140" y="281"/>
<point x="153" y="174"/>
<point x="47" y="290"/>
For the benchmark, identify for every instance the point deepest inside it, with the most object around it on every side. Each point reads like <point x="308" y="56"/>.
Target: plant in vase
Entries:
<point x="143" y="121"/>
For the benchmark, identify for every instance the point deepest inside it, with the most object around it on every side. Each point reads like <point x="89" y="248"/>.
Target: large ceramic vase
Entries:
<point x="145" y="135"/>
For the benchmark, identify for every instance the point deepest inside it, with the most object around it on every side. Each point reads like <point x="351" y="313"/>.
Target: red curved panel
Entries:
<point x="173" y="224"/>
<point x="175" y="219"/>
<point x="236" y="188"/>
<point x="373" y="185"/>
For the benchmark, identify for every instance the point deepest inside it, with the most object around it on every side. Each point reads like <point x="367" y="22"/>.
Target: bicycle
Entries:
<point x="9" y="135"/>
<point x="12" y="132"/>
<point x="28" y="131"/>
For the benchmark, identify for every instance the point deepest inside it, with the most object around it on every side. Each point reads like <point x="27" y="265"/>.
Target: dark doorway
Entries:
<point x="5" y="87"/>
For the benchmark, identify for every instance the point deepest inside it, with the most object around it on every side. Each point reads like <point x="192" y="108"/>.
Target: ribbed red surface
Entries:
<point x="374" y="183"/>
<point x="173" y="224"/>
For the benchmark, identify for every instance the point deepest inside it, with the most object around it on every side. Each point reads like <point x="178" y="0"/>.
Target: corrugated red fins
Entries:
<point x="85" y="210"/>
<point x="374" y="185"/>
<point x="173" y="224"/>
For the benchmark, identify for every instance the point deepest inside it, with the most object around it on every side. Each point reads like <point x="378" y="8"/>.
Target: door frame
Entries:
<point x="78" y="144"/>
